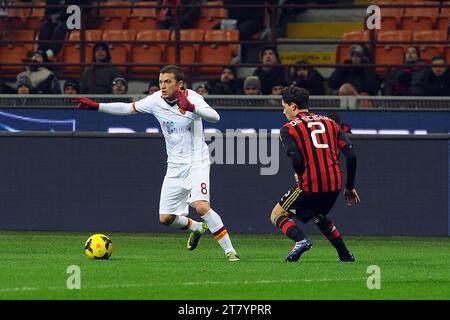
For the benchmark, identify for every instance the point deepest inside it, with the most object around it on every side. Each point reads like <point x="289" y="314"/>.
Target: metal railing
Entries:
<point x="238" y="102"/>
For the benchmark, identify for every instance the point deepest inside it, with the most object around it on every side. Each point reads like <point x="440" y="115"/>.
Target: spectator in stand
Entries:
<point x="401" y="80"/>
<point x="42" y="79"/>
<point x="337" y="118"/>
<point x="228" y="83"/>
<point x="119" y="86"/>
<point x="187" y="16"/>
<point x="23" y="85"/>
<point x="269" y="75"/>
<point x="276" y="90"/>
<point x="308" y="78"/>
<point x="71" y="87"/>
<point x="202" y="90"/>
<point x="434" y="81"/>
<point x="351" y="81"/>
<point x="153" y="86"/>
<point x="98" y="79"/>
<point x="252" y="86"/>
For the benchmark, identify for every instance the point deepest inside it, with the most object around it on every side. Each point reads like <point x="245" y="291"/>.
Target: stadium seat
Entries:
<point x="390" y="17"/>
<point x="91" y="35"/>
<point x="113" y="18"/>
<point x="399" y="35"/>
<point x="16" y="17"/>
<point x="13" y="54"/>
<point x="447" y="53"/>
<point x="443" y="19"/>
<point x="388" y="55"/>
<point x="37" y="16"/>
<point x="119" y="52"/>
<point x="148" y="52"/>
<point x="427" y="51"/>
<point x="188" y="52"/>
<point x="217" y="53"/>
<point x="19" y="35"/>
<point x="209" y="17"/>
<point x="342" y="51"/>
<point x="143" y="18"/>
<point x="419" y="18"/>
<point x="70" y="53"/>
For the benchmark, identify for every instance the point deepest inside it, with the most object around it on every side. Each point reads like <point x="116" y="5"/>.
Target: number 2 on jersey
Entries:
<point x="315" y="132"/>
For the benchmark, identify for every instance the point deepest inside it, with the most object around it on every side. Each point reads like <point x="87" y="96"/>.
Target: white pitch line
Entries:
<point x="199" y="283"/>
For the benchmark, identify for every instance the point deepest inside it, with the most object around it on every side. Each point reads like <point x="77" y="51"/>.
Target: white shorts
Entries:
<point x="183" y="185"/>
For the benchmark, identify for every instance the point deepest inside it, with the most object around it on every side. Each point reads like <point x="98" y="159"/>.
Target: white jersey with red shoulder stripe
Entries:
<point x="182" y="130"/>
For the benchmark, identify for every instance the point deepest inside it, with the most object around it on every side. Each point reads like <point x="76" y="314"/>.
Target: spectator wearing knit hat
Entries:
<point x="23" y="85"/>
<point x="119" y="86"/>
<point x="269" y="75"/>
<point x="252" y="86"/>
<point x="43" y="80"/>
<point x="98" y="79"/>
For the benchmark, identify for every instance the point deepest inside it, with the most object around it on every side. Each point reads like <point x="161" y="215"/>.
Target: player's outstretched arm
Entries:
<point x="117" y="108"/>
<point x="201" y="109"/>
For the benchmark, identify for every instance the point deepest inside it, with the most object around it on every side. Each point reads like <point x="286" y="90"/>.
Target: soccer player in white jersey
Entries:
<point x="179" y="113"/>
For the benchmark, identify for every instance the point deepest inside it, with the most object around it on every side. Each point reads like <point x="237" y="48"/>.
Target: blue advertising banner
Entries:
<point x="391" y="122"/>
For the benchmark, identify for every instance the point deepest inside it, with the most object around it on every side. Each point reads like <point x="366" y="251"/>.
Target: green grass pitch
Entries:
<point x="157" y="266"/>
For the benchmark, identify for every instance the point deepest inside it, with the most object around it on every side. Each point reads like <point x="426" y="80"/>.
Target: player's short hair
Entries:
<point x="297" y="95"/>
<point x="176" y="70"/>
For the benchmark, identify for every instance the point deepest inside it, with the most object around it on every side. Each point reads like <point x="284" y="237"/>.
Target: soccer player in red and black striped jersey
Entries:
<point x="313" y="142"/>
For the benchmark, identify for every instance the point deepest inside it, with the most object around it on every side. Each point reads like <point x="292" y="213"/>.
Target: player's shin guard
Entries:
<point x="217" y="228"/>
<point x="329" y="230"/>
<point x="289" y="228"/>
<point x="184" y="223"/>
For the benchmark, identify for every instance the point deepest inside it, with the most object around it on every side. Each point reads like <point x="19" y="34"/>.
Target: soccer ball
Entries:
<point x="98" y="246"/>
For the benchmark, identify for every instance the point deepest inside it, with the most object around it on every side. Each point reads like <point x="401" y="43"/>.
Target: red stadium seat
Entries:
<point x="13" y="54"/>
<point x="119" y="52"/>
<point x="37" y="17"/>
<point x="19" y="35"/>
<point x="443" y="19"/>
<point x="419" y="18"/>
<point x="113" y="18"/>
<point x="143" y="18"/>
<point x="219" y="52"/>
<point x="388" y="55"/>
<point x="398" y="35"/>
<point x="210" y="17"/>
<point x="70" y="53"/>
<point x="149" y="52"/>
<point x="188" y="52"/>
<point x="16" y="17"/>
<point x="390" y="17"/>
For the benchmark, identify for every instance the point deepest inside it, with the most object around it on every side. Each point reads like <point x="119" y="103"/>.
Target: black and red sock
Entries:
<point x="329" y="230"/>
<point x="289" y="228"/>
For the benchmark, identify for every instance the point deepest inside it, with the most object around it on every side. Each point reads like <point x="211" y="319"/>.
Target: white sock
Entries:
<point x="217" y="228"/>
<point x="185" y="223"/>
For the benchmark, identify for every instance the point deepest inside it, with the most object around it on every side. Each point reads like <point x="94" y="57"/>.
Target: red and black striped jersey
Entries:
<point x="319" y="140"/>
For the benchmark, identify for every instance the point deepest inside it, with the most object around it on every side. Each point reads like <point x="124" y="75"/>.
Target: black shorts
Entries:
<point x="306" y="205"/>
